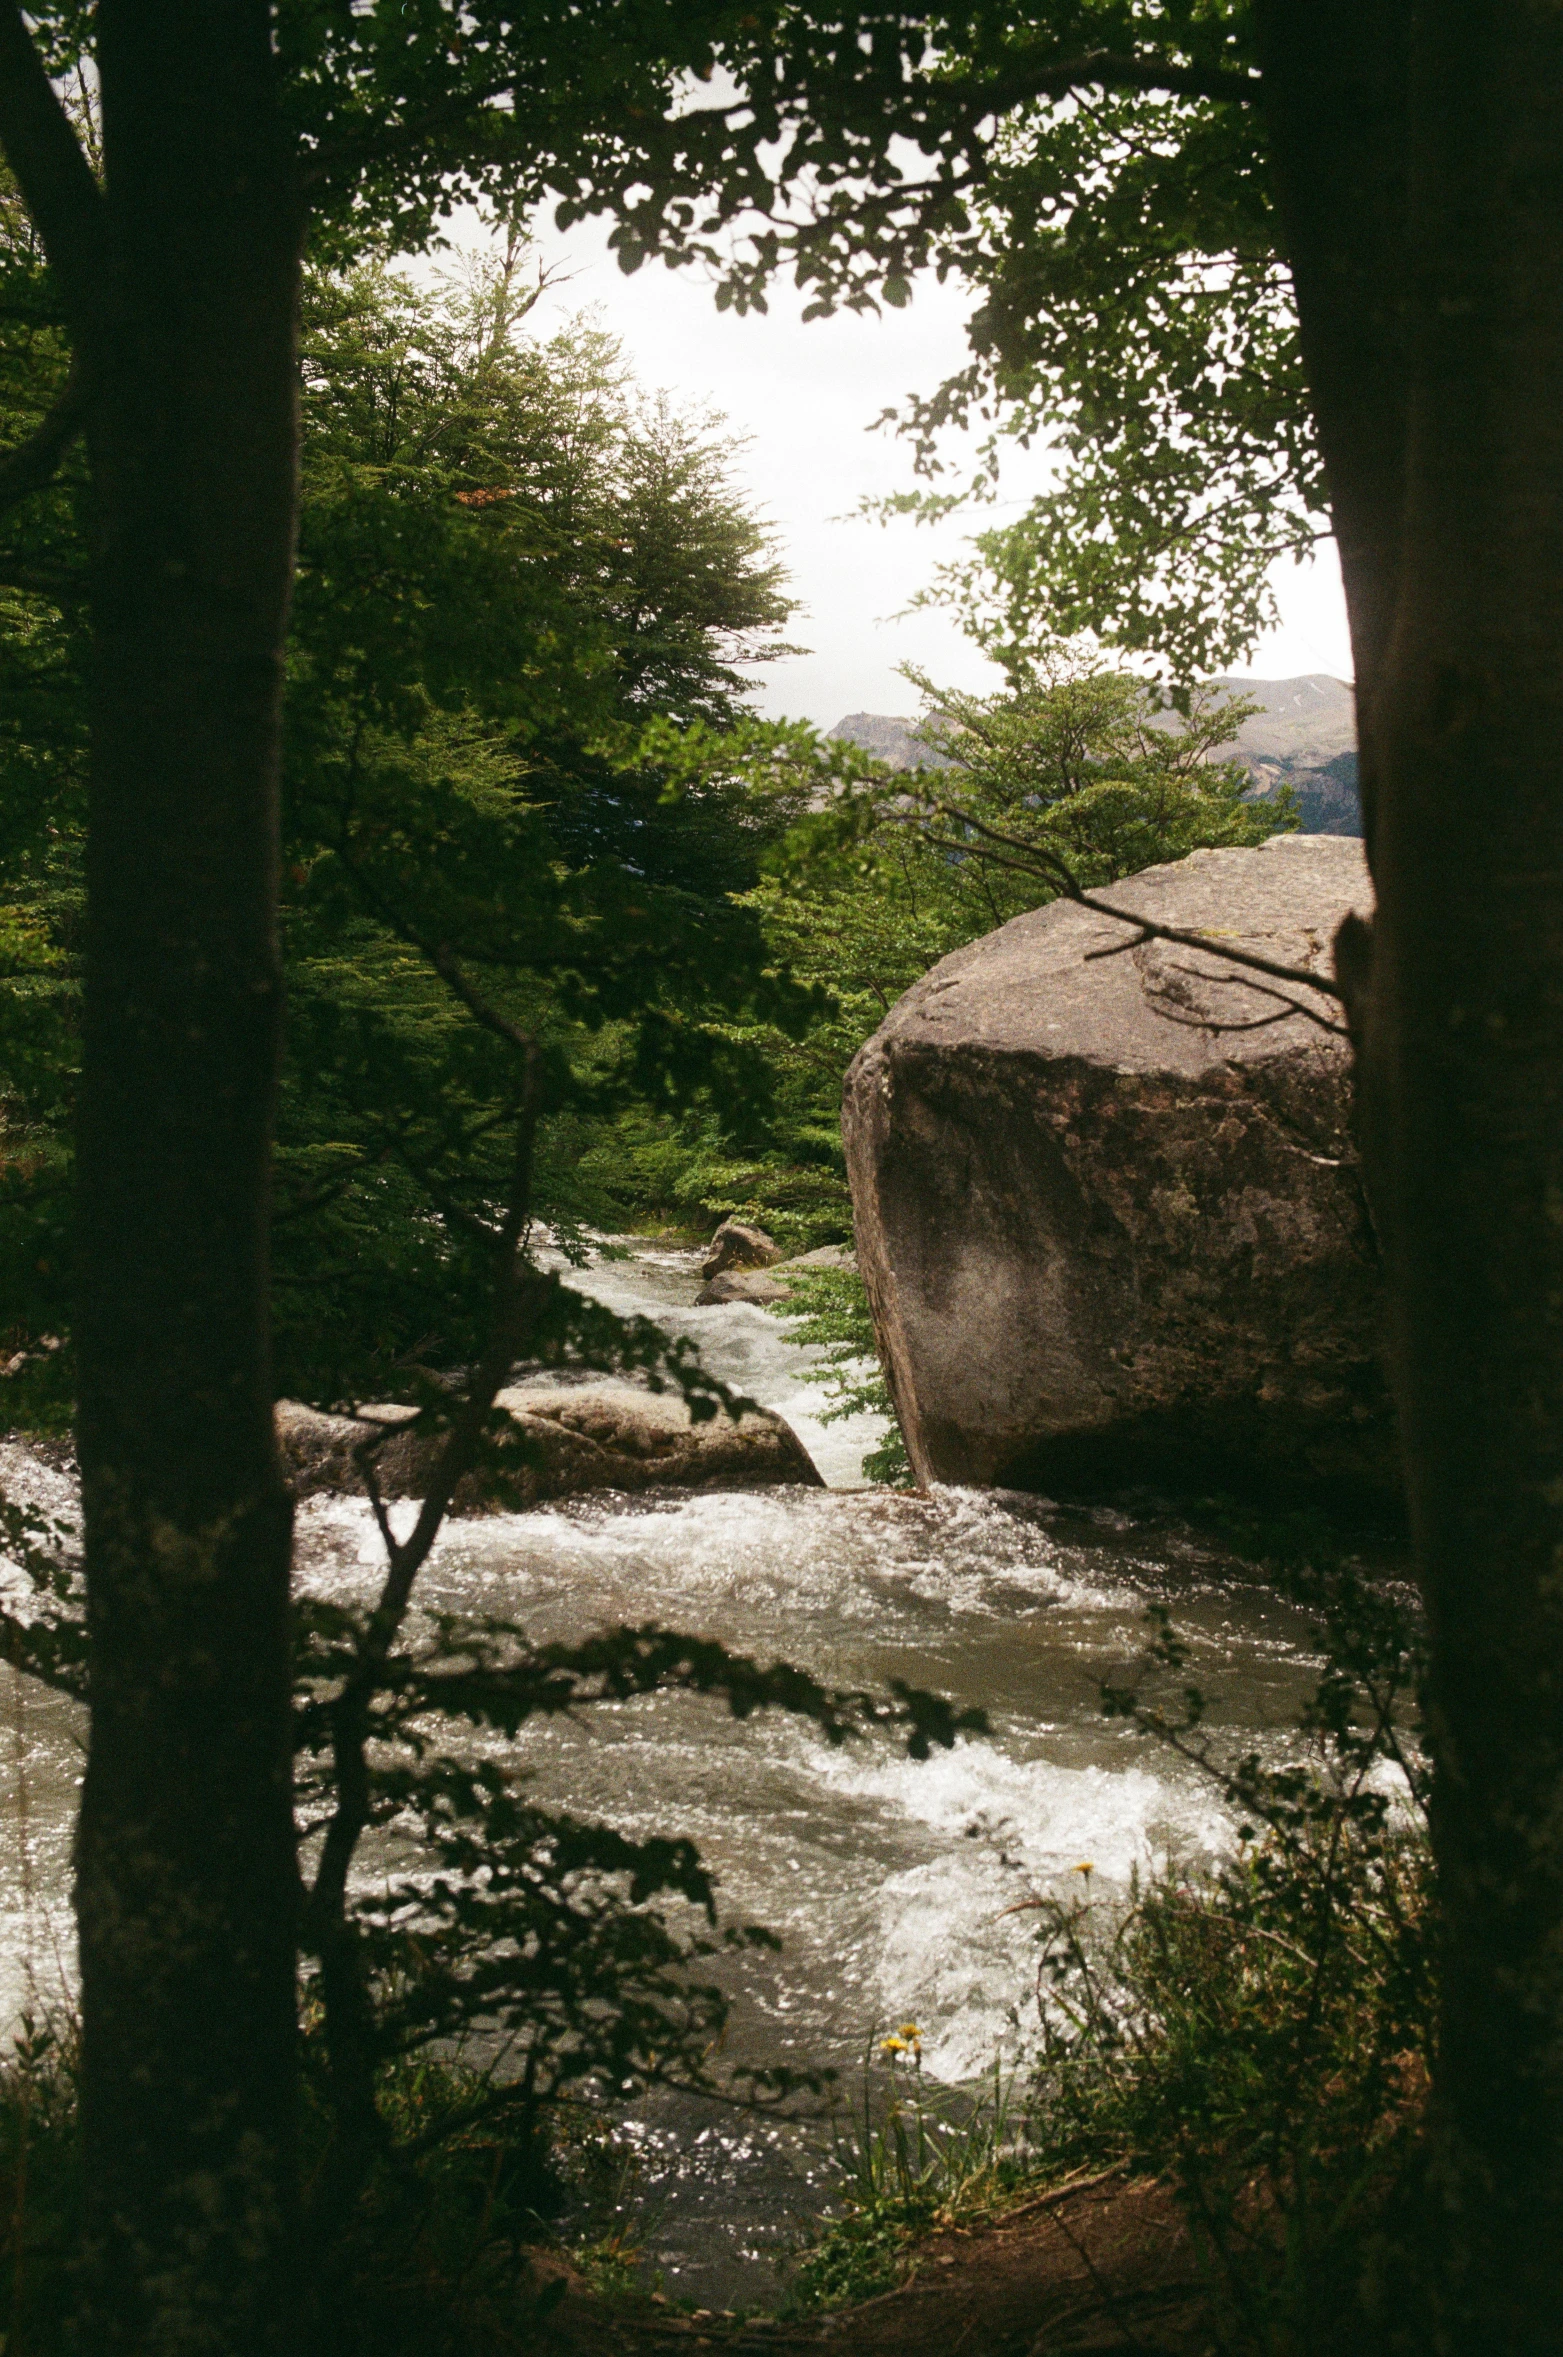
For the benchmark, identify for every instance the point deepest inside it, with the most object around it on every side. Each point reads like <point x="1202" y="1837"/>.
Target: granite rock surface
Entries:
<point x="603" y="1435"/>
<point x="1108" y="1205"/>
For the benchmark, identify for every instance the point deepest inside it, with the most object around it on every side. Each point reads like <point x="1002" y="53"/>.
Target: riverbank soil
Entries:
<point x="1103" y="2268"/>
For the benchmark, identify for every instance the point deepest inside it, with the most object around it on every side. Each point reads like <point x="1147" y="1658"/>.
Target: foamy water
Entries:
<point x="894" y="1885"/>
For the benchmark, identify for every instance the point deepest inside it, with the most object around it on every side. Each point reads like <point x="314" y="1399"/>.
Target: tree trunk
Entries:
<point x="1336" y="87"/>
<point x="187" y="1878"/>
<point x="1459" y="1012"/>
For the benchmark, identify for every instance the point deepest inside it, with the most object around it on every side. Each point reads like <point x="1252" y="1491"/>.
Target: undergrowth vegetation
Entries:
<point x="440" y="2253"/>
<point x="910" y="2156"/>
<point x="832" y="1316"/>
<point x="1258" y="2033"/>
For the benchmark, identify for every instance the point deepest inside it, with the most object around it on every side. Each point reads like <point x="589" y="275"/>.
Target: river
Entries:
<point x="893" y="1885"/>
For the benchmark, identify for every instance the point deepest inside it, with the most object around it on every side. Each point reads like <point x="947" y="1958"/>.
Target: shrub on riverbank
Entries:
<point x="1259" y="2038"/>
<point x="1258" y="2035"/>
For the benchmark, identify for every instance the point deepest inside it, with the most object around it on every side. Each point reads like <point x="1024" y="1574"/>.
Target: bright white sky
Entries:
<point x="804" y="395"/>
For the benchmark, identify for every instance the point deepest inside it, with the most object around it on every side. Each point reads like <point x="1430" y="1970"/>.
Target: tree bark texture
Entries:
<point x="1458" y="1010"/>
<point x="186" y="1872"/>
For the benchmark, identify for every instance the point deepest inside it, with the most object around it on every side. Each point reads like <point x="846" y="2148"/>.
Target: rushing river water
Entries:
<point x="892" y="1884"/>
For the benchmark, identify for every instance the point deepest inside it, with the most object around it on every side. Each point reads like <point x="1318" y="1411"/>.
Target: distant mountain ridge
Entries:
<point x="1305" y="737"/>
<point x="892" y="741"/>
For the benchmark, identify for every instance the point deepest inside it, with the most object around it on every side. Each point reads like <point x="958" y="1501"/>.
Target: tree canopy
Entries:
<point x="512" y="565"/>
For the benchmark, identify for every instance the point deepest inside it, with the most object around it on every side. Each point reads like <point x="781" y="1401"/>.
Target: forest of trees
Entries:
<point x="527" y="619"/>
<point x="364" y="656"/>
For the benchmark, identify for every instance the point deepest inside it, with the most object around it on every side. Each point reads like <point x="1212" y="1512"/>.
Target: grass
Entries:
<point x="911" y="2157"/>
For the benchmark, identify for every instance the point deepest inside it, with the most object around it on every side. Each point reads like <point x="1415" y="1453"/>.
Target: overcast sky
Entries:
<point x="804" y="394"/>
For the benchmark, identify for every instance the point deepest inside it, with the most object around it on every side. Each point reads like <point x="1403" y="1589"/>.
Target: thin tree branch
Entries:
<point x="448" y="967"/>
<point x="1096" y="69"/>
<point x="406" y="1557"/>
<point x="1104" y="69"/>
<point x="1052" y="869"/>
<point x="53" y="174"/>
<point x="332" y="159"/>
<point x="33" y="464"/>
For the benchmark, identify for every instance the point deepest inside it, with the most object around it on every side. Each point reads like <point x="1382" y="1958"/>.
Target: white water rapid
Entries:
<point x="893" y="1885"/>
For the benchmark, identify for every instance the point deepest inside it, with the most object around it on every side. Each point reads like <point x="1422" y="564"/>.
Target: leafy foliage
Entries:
<point x="1095" y="173"/>
<point x="888" y="871"/>
<point x="1136" y="318"/>
<point x="833" y="1317"/>
<point x="1263" y="2034"/>
<point x="509" y="571"/>
<point x="513" y="574"/>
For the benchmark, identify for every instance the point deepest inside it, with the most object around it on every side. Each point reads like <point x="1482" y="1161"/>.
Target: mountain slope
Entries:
<point x="1305" y="737"/>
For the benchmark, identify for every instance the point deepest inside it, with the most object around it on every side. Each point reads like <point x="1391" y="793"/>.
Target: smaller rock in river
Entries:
<point x="771" y="1285"/>
<point x="737" y="1245"/>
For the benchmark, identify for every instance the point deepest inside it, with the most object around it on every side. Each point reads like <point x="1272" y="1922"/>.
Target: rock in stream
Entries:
<point x="1108" y="1205"/>
<point x="600" y="1436"/>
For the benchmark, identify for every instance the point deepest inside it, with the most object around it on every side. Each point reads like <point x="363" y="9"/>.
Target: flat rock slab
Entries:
<point x="768" y="1285"/>
<point x="599" y="1436"/>
<point x="761" y="1286"/>
<point x="1108" y="1205"/>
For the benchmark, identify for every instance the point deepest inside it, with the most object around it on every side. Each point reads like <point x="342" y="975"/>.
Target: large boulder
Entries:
<point x="603" y="1435"/>
<point x="1108" y="1206"/>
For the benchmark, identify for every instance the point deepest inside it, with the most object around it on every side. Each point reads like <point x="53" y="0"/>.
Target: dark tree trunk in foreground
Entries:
<point x="1458" y="1000"/>
<point x="182" y="283"/>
